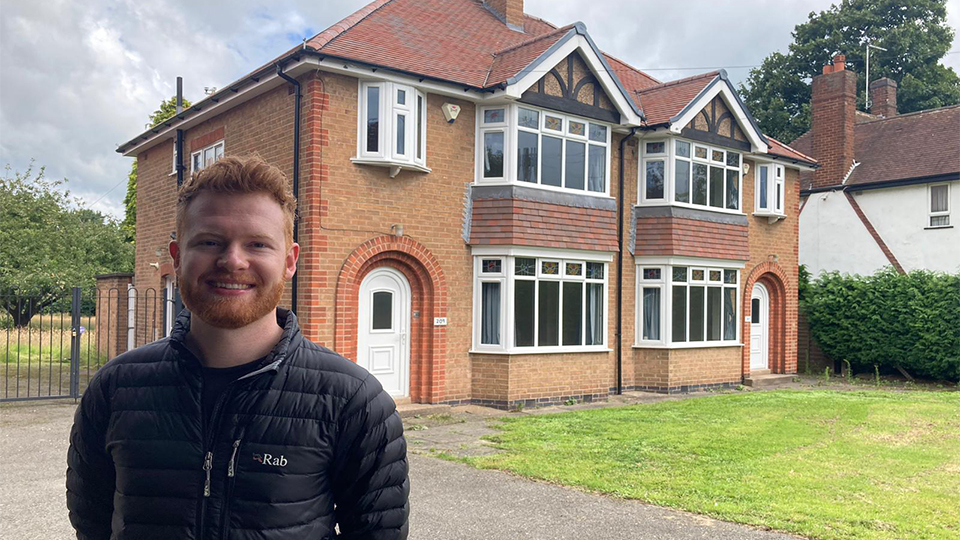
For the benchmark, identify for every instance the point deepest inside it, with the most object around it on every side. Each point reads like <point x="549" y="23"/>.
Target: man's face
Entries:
<point x="233" y="258"/>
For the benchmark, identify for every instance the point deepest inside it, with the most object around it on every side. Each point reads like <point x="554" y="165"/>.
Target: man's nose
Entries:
<point x="232" y="259"/>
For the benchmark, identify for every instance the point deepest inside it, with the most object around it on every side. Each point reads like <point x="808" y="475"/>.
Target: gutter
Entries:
<point x="620" y="195"/>
<point x="296" y="174"/>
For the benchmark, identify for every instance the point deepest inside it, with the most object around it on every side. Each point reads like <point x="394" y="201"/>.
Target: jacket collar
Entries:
<point x="290" y="339"/>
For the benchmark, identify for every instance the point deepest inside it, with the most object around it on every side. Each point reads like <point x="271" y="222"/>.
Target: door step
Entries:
<point x="769" y="379"/>
<point x="409" y="410"/>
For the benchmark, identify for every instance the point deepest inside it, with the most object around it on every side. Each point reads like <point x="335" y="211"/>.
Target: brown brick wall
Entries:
<point x="530" y="223"/>
<point x="111" y="310"/>
<point x="691" y="238"/>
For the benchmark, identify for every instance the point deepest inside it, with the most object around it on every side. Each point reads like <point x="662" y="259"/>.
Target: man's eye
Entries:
<point x="259" y="245"/>
<point x="208" y="243"/>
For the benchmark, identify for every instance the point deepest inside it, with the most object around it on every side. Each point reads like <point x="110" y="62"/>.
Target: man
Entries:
<point x="236" y="426"/>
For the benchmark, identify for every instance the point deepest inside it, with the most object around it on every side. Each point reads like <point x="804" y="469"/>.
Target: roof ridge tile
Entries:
<point x="533" y="40"/>
<point x="909" y="114"/>
<point x="681" y="81"/>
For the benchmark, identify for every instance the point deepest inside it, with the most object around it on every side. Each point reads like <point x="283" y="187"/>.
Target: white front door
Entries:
<point x="759" y="327"/>
<point x="383" y="346"/>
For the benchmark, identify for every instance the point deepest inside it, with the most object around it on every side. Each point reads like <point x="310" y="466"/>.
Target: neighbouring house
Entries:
<point x="888" y="187"/>
<point x="494" y="211"/>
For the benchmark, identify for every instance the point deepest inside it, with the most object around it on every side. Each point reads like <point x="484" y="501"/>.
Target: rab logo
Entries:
<point x="268" y="459"/>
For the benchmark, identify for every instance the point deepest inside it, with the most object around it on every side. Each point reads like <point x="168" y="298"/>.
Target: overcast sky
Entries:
<point x="79" y="78"/>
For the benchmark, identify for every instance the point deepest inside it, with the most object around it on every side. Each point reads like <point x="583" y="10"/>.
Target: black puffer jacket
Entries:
<point x="307" y="441"/>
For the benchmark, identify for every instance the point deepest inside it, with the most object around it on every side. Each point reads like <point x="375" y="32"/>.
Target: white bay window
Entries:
<point x="685" y="173"/>
<point x="391" y="126"/>
<point x="770" y="190"/>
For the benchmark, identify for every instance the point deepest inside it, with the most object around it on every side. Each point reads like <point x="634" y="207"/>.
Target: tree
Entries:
<point x="167" y="109"/>
<point x="49" y="243"/>
<point x="914" y="33"/>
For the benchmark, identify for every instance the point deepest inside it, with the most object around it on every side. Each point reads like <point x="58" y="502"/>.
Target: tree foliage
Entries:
<point x="167" y="109"/>
<point x="48" y="243"/>
<point x="888" y="320"/>
<point x="914" y="33"/>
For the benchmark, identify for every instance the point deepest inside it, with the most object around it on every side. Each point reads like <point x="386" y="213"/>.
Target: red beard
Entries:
<point x="229" y="312"/>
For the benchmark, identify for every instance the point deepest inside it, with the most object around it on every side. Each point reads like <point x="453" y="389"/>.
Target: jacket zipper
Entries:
<point x="231" y="473"/>
<point x="209" y="441"/>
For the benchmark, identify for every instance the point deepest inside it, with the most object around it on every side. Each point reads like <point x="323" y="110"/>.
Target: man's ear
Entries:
<point x="293" y="254"/>
<point x="175" y="253"/>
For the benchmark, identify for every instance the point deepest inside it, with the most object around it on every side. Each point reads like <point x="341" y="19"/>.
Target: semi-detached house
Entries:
<point x="492" y="210"/>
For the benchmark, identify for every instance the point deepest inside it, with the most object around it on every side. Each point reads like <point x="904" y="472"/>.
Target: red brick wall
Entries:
<point x="530" y="223"/>
<point x="510" y="10"/>
<point x="690" y="238"/>
<point x="883" y="97"/>
<point x="833" y="108"/>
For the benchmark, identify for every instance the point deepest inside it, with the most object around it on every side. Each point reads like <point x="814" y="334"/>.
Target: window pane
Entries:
<point x="494" y="116"/>
<point x="779" y="198"/>
<point x="700" y="152"/>
<point x="655" y="179"/>
<point x="421" y="114"/>
<point x="491" y="266"/>
<point x="714" y="322"/>
<point x="716" y="187"/>
<point x="696" y="313"/>
<point x="572" y="313"/>
<point x="373" y="119"/>
<point x="530" y="119"/>
<point x="733" y="159"/>
<point x="715" y="275"/>
<point x="525" y="267"/>
<point x="524" y="293"/>
<point x="764" y="177"/>
<point x="218" y="152"/>
<point x="196" y="162"/>
<point x="717" y="155"/>
<point x="597" y="172"/>
<point x="754" y="311"/>
<point x="553" y="123"/>
<point x="209" y="156"/>
<point x="651" y="273"/>
<point x="683" y="149"/>
<point x="598" y="133"/>
<point x="528" y="158"/>
<point x="401" y="97"/>
<point x="490" y="316"/>
<point x="552" y="153"/>
<point x="655" y="148"/>
<point x="699" y="184"/>
<point x="730" y="314"/>
<point x="493" y="155"/>
<point x="939" y="221"/>
<point x="696" y="275"/>
<point x="938" y="198"/>
<point x="549" y="305"/>
<point x="401" y="134"/>
<point x="682" y="174"/>
<point x="573" y="269"/>
<point x="382" y="310"/>
<point x="730" y="276"/>
<point x="576" y="163"/>
<point x="594" y="314"/>
<point x="594" y="270"/>
<point x="680" y="273"/>
<point x="651" y="314"/>
<point x="576" y="128"/>
<point x="550" y="268"/>
<point x="733" y="189"/>
<point x="679" y="322"/>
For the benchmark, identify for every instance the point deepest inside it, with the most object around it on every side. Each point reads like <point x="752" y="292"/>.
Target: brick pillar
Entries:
<point x="883" y="97"/>
<point x="833" y="108"/>
<point x="510" y="11"/>
<point x="111" y="305"/>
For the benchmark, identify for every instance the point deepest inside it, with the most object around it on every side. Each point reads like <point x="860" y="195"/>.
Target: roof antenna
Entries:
<point x="866" y="100"/>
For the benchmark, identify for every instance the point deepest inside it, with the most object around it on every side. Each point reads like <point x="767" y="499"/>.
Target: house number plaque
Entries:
<point x="439" y="321"/>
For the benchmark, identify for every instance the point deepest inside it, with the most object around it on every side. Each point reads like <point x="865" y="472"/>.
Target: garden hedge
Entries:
<point x="890" y="320"/>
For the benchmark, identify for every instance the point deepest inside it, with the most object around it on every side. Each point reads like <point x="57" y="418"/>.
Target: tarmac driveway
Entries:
<point x="448" y="500"/>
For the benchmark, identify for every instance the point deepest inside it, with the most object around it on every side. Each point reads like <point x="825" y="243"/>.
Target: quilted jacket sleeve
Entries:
<point x="91" y="478"/>
<point x="371" y="486"/>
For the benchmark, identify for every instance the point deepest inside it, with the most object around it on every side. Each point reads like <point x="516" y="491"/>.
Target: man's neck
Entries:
<point x="223" y="348"/>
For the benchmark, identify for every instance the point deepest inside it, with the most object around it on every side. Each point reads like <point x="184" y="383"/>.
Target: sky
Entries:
<point x="79" y="78"/>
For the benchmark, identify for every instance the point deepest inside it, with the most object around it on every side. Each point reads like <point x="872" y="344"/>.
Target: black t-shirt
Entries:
<point x="215" y="381"/>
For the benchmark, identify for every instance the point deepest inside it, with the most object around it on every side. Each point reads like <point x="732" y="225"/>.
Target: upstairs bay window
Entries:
<point x="538" y="304"/>
<point x="538" y="147"/>
<point x="392" y="126"/>
<point x="770" y="190"/>
<point x="685" y="173"/>
<point x="206" y="157"/>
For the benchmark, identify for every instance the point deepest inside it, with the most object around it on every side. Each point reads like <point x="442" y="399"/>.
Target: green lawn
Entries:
<point x="824" y="464"/>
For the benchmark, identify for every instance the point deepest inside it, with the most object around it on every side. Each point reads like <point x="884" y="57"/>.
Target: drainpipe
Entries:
<point x="296" y="174"/>
<point x="179" y="142"/>
<point x="623" y="143"/>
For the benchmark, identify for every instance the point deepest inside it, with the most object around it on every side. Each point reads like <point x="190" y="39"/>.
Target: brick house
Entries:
<point x="494" y="211"/>
<point x="889" y="181"/>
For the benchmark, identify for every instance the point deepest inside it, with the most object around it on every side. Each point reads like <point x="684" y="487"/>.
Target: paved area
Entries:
<point x="448" y="500"/>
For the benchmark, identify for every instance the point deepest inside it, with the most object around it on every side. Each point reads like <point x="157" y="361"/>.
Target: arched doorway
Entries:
<point x="759" y="328"/>
<point x="383" y="333"/>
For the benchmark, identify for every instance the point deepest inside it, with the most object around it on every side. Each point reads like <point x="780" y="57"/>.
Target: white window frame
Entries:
<point x="931" y="214"/>
<point x="511" y="129"/>
<point x="507" y="310"/>
<point x="173" y="168"/>
<point x="669" y="156"/>
<point x="776" y="190"/>
<point x="197" y="166"/>
<point x="414" y="112"/>
<point x="666" y="284"/>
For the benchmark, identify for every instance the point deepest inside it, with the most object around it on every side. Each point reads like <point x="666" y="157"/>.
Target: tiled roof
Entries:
<point x="510" y="61"/>
<point x="913" y="145"/>
<point x="632" y="78"/>
<point x="777" y="148"/>
<point x="662" y="102"/>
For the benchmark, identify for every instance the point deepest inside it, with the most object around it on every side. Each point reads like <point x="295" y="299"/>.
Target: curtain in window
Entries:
<point x="938" y="199"/>
<point x="490" y="319"/>
<point x="596" y="169"/>
<point x="594" y="314"/>
<point x="651" y="314"/>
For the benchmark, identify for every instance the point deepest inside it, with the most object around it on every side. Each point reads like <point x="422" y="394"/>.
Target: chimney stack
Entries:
<point x="883" y="97"/>
<point x="833" y="109"/>
<point x="509" y="11"/>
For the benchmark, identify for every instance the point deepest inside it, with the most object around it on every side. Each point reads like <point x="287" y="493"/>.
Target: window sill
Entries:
<point x="938" y="227"/>
<point x="555" y="189"/>
<point x="699" y="345"/>
<point x="772" y="217"/>
<point x="656" y="203"/>
<point x="544" y="350"/>
<point x="395" y="166"/>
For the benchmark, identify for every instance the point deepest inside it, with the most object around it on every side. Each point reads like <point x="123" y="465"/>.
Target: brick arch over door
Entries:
<point x="772" y="276"/>
<point x="428" y="298"/>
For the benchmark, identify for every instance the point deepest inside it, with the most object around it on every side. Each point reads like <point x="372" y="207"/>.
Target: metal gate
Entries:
<point x="52" y="345"/>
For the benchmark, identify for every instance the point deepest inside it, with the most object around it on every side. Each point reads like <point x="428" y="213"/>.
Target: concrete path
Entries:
<point x="448" y="500"/>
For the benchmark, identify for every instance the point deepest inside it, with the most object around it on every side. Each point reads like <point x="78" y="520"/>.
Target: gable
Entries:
<point x="571" y="87"/>
<point x="715" y="123"/>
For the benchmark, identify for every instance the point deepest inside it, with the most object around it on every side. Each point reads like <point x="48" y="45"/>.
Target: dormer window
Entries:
<point x="392" y="127"/>
<point x="685" y="173"/>
<point x="770" y="190"/>
<point x="539" y="147"/>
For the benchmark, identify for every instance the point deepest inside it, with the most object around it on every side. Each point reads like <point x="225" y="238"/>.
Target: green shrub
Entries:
<point x="889" y="320"/>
